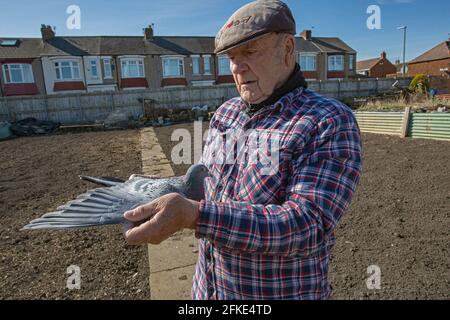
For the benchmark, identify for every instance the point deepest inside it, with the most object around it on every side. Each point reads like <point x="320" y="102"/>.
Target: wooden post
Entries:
<point x="405" y="122"/>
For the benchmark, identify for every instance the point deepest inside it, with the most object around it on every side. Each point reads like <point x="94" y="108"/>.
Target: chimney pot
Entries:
<point x="148" y="33"/>
<point x="383" y="55"/>
<point x="47" y="32"/>
<point x="306" y="34"/>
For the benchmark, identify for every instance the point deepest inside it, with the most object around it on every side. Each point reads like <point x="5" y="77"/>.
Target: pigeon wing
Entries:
<point x="103" y="206"/>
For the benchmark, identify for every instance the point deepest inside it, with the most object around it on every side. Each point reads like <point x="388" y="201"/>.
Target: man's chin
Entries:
<point x="251" y="100"/>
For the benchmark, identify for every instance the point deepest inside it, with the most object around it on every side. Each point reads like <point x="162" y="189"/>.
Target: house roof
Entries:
<point x="136" y="45"/>
<point x="441" y="51"/>
<point x="321" y="44"/>
<point x="25" y="48"/>
<point x="366" y="64"/>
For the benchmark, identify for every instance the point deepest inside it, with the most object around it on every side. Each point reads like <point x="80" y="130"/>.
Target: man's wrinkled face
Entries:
<point x="258" y="67"/>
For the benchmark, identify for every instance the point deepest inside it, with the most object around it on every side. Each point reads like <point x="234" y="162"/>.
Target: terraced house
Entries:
<point x="58" y="64"/>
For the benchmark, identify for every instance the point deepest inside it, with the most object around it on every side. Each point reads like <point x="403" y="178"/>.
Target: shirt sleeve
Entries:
<point x="323" y="180"/>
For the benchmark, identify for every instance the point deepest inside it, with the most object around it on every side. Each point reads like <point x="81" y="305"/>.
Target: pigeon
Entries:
<point x="106" y="205"/>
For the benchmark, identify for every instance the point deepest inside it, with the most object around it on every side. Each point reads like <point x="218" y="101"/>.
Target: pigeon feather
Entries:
<point x="106" y="205"/>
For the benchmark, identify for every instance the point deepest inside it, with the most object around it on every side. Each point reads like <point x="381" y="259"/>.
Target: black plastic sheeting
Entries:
<point x="32" y="126"/>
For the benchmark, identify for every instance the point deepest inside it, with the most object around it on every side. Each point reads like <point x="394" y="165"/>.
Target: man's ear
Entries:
<point x="289" y="45"/>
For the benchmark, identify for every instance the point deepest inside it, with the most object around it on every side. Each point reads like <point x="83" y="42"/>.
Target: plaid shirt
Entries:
<point x="269" y="236"/>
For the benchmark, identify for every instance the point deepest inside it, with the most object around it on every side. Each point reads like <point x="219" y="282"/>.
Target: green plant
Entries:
<point x="420" y="84"/>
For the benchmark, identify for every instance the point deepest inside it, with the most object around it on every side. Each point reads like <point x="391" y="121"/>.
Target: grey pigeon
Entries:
<point x="103" y="206"/>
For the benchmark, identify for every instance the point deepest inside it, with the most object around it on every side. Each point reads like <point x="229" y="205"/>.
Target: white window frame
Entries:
<point x="139" y="63"/>
<point x="332" y="63"/>
<point x="351" y="62"/>
<point x="21" y="67"/>
<point x="180" y="60"/>
<point x="307" y="55"/>
<point x="196" y="58"/>
<point x="72" y="68"/>
<point x="107" y="72"/>
<point x="207" y="57"/>
<point x="220" y="73"/>
<point x="93" y="64"/>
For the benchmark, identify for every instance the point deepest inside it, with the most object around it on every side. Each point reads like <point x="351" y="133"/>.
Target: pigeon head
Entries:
<point x="194" y="181"/>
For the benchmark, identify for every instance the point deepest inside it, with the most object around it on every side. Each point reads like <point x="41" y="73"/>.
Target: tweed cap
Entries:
<point x="253" y="21"/>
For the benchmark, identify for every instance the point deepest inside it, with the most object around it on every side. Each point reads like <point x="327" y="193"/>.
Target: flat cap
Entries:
<point x="252" y="21"/>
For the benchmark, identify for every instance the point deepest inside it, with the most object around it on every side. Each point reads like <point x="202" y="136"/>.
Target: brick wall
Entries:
<point x="429" y="67"/>
<point x="441" y="83"/>
<point x="382" y="68"/>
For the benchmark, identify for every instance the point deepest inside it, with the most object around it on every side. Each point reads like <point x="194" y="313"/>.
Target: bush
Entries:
<point x="420" y="84"/>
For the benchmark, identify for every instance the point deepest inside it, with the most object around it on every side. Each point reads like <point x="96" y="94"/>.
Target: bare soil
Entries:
<point x="399" y="219"/>
<point x="37" y="175"/>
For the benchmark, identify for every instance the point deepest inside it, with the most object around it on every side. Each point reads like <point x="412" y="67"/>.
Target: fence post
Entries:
<point x="46" y="107"/>
<point x="339" y="89"/>
<point x="80" y="107"/>
<point x="112" y="101"/>
<point x="405" y="122"/>
<point x="7" y="109"/>
<point x="358" y="87"/>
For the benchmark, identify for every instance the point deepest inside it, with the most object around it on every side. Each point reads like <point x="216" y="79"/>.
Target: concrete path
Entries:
<point x="172" y="262"/>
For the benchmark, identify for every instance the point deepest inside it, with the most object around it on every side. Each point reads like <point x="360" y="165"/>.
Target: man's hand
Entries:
<point x="162" y="217"/>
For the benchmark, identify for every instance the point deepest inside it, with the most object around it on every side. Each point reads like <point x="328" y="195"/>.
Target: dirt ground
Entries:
<point x="399" y="220"/>
<point x="37" y="175"/>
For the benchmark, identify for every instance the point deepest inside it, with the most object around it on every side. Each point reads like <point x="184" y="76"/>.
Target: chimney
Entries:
<point x="47" y="32"/>
<point x="148" y="32"/>
<point x="306" y="34"/>
<point x="383" y="55"/>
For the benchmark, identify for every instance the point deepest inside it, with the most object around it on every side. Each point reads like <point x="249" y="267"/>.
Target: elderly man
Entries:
<point x="265" y="235"/>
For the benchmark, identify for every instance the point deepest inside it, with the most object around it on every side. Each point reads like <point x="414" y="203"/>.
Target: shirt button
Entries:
<point x="220" y="187"/>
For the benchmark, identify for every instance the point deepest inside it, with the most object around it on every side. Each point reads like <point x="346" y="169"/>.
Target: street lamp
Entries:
<point x="404" y="47"/>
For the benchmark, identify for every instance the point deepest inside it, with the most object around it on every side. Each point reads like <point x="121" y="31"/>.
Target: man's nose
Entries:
<point x="238" y="65"/>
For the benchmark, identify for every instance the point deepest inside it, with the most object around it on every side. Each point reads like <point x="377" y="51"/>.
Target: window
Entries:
<point x="195" y="65"/>
<point x="307" y="62"/>
<point x="224" y="66"/>
<point x="351" y="62"/>
<point x="173" y="67"/>
<point x="207" y="64"/>
<point x="335" y="63"/>
<point x="18" y="73"/>
<point x="67" y="70"/>
<point x="132" y="68"/>
<point x="94" y="69"/>
<point x="107" y="68"/>
<point x="9" y="43"/>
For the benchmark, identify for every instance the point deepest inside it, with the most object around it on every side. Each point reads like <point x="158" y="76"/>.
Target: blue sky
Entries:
<point x="427" y="20"/>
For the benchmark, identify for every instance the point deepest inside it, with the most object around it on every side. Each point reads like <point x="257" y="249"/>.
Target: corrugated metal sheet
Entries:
<point x="380" y="122"/>
<point x="430" y="125"/>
